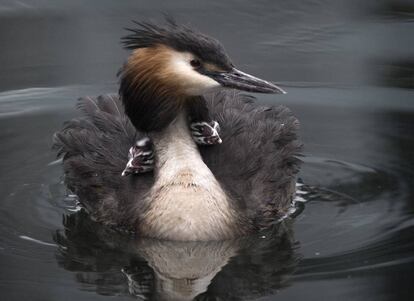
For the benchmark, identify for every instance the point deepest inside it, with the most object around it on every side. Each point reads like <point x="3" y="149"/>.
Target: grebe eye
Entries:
<point x="195" y="63"/>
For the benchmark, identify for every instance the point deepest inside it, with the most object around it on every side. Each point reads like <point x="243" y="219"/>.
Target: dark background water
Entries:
<point x="348" y="67"/>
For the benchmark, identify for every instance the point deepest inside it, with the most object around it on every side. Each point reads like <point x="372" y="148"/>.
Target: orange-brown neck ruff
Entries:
<point x="151" y="93"/>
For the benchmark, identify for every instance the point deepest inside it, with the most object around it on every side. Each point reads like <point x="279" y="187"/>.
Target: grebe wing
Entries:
<point x="95" y="148"/>
<point x="258" y="160"/>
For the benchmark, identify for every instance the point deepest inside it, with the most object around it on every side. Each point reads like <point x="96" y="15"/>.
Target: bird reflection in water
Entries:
<point x="114" y="263"/>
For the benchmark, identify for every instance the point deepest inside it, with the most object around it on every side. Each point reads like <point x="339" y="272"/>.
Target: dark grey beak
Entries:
<point x="239" y="80"/>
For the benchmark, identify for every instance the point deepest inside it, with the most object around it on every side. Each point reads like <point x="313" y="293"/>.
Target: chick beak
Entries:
<point x="239" y="80"/>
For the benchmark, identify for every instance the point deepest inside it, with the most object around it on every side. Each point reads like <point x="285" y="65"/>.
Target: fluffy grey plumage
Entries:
<point x="256" y="164"/>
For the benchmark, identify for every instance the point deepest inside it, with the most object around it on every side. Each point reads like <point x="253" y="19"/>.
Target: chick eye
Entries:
<point x="195" y="63"/>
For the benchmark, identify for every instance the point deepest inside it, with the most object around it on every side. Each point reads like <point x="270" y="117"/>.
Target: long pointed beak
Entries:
<point x="237" y="79"/>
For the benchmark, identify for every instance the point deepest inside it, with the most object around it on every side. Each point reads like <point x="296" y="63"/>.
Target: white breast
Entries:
<point x="186" y="201"/>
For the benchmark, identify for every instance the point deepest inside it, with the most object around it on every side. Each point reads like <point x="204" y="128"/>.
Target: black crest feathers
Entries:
<point x="178" y="37"/>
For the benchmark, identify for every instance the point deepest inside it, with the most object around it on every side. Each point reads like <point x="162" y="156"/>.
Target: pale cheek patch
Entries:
<point x="193" y="82"/>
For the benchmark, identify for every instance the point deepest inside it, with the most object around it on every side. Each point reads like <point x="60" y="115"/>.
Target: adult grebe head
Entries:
<point x="172" y="63"/>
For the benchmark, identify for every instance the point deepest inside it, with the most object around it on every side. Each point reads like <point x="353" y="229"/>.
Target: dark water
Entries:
<point x="349" y="69"/>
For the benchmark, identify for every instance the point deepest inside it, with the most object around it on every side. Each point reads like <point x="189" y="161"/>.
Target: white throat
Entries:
<point x="186" y="202"/>
<point x="176" y="151"/>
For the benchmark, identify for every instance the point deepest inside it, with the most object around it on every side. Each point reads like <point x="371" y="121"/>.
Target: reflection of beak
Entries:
<point x="236" y="79"/>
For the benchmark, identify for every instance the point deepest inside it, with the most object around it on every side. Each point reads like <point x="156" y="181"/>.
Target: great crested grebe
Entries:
<point x="207" y="193"/>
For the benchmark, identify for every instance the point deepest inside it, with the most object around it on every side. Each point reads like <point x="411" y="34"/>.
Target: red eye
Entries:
<point x="195" y="63"/>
